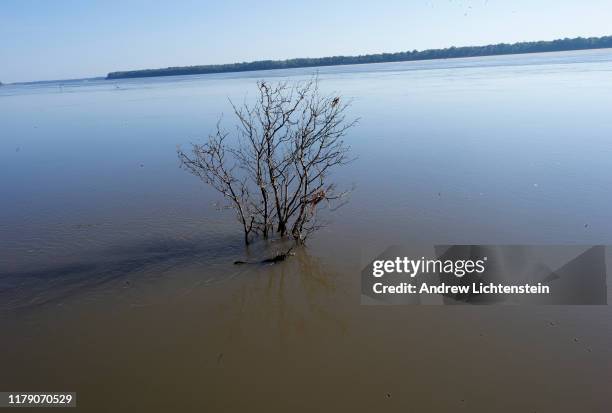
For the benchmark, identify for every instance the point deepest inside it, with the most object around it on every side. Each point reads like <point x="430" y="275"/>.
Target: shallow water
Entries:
<point x="115" y="266"/>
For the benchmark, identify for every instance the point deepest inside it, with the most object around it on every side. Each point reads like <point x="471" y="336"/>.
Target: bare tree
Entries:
<point x="275" y="170"/>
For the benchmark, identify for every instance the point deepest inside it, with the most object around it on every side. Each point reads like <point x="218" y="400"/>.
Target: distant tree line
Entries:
<point x="566" y="44"/>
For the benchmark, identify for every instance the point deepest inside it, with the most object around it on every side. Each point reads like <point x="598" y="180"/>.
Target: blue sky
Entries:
<point x="60" y="39"/>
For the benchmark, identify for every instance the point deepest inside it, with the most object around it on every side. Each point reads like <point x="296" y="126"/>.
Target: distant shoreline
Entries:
<point x="560" y="45"/>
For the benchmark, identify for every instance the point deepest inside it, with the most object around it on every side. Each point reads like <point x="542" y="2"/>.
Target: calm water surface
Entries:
<point x="120" y="263"/>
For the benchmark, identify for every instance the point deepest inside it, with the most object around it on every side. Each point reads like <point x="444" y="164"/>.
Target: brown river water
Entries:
<point x="116" y="274"/>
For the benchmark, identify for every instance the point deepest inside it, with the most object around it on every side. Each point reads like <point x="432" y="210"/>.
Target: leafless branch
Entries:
<point x="276" y="174"/>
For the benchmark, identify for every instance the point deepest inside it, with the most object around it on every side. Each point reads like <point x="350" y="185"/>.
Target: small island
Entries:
<point x="560" y="45"/>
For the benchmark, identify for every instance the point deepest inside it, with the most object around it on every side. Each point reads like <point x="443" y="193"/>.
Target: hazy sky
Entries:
<point x="59" y="39"/>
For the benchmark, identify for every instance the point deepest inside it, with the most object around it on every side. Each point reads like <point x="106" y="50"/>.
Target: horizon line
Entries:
<point x="320" y="61"/>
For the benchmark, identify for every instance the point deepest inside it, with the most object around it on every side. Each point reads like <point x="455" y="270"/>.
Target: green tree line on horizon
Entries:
<point x="558" y="45"/>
